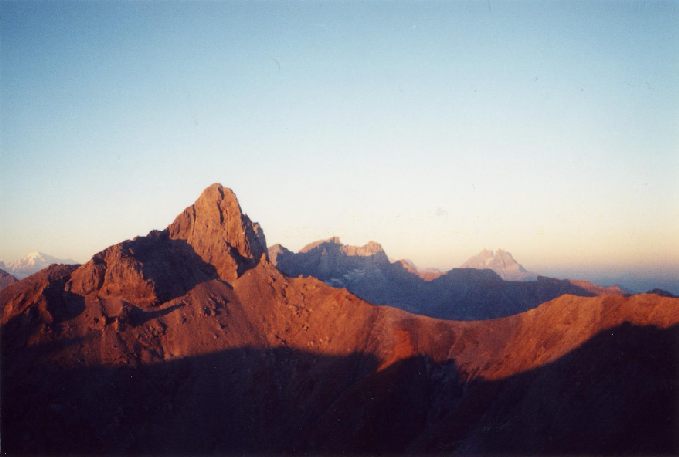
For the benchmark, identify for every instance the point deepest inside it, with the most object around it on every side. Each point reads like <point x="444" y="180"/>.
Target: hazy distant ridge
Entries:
<point x="496" y="285"/>
<point x="32" y="263"/>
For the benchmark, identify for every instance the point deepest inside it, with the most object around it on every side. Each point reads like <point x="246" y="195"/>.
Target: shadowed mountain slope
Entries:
<point x="427" y="274"/>
<point x="6" y="279"/>
<point x="461" y="293"/>
<point x="154" y="347"/>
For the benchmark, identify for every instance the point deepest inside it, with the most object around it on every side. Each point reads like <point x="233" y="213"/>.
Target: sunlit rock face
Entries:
<point x="210" y="239"/>
<point x="220" y="233"/>
<point x="153" y="347"/>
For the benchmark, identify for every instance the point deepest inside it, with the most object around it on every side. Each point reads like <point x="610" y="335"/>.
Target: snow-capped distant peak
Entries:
<point x="32" y="263"/>
<point x="33" y="258"/>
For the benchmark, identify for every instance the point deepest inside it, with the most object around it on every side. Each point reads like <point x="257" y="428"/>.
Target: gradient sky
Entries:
<point x="550" y="129"/>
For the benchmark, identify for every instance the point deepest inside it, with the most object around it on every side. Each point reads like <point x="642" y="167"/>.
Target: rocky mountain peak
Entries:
<point x="334" y="246"/>
<point x="276" y="251"/>
<point x="326" y="242"/>
<point x="219" y="232"/>
<point x="502" y="262"/>
<point x="369" y="249"/>
<point x="407" y="265"/>
<point x="210" y="239"/>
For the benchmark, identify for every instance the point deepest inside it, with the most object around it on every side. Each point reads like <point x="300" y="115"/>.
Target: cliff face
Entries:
<point x="154" y="347"/>
<point x="218" y="231"/>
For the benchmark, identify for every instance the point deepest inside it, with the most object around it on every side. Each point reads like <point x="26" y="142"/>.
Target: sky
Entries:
<point x="550" y="129"/>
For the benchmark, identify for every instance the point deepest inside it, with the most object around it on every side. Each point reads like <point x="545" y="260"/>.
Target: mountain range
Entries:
<point x="32" y="263"/>
<point x="190" y="340"/>
<point x="461" y="293"/>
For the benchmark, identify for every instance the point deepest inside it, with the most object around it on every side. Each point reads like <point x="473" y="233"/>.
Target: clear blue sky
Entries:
<point x="550" y="129"/>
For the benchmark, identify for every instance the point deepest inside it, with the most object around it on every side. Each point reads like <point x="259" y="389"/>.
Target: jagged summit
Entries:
<point x="326" y="241"/>
<point x="220" y="233"/>
<point x="277" y="250"/>
<point x="371" y="248"/>
<point x="331" y="261"/>
<point x="489" y="258"/>
<point x="502" y="262"/>
<point x="210" y="239"/>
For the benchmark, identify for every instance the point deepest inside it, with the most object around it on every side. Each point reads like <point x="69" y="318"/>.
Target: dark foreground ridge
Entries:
<point x="606" y="397"/>
<point x="189" y="341"/>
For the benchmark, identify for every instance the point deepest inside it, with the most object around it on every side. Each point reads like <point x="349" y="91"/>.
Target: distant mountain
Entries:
<point x="333" y="262"/>
<point x="461" y="293"/>
<point x="428" y="274"/>
<point x="662" y="293"/>
<point x="188" y="341"/>
<point x="502" y="263"/>
<point x="32" y="263"/>
<point x="6" y="279"/>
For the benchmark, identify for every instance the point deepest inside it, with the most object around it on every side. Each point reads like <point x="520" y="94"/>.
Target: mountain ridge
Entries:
<point x="165" y="338"/>
<point x="460" y="293"/>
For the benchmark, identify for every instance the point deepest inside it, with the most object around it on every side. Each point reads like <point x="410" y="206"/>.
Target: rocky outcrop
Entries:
<point x="146" y="270"/>
<point x="218" y="231"/>
<point x="211" y="238"/>
<point x="333" y="247"/>
<point x="30" y="300"/>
